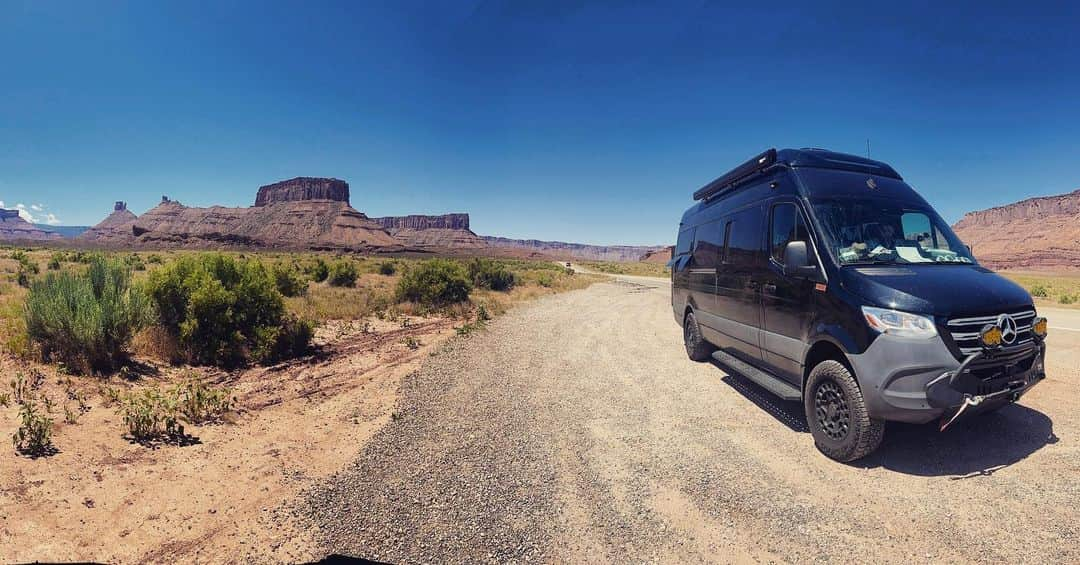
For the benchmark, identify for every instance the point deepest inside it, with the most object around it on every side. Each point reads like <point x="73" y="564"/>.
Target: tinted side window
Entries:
<point x="745" y="241"/>
<point x="686" y="239"/>
<point x="708" y="244"/>
<point x="787" y="226"/>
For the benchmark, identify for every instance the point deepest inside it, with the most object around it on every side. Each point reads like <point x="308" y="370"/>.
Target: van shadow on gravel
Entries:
<point x="972" y="447"/>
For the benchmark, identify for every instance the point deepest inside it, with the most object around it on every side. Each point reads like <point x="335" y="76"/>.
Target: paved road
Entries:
<point x="574" y="429"/>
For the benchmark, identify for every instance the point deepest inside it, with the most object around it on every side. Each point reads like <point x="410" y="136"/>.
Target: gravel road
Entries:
<point x="575" y="429"/>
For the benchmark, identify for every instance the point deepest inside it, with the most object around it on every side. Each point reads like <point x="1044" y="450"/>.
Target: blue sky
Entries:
<point x="578" y="121"/>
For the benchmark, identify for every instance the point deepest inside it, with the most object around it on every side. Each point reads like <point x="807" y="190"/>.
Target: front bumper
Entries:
<point x="917" y="381"/>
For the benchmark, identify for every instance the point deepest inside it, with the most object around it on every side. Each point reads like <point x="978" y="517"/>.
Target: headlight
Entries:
<point x="894" y="322"/>
<point x="990" y="336"/>
<point x="1038" y="327"/>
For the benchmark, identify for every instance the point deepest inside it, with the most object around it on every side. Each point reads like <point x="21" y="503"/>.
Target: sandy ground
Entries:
<point x="225" y="498"/>
<point x="575" y="430"/>
<point x="572" y="429"/>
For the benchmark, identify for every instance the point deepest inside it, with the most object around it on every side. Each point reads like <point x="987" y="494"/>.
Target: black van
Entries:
<point x="825" y="278"/>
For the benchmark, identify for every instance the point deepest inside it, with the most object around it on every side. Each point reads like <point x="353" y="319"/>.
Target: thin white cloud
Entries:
<point x="35" y="214"/>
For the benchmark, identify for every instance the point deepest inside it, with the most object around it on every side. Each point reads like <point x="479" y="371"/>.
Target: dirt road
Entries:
<point x="575" y="429"/>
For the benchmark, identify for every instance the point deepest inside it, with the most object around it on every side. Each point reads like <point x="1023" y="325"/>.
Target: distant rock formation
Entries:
<point x="1040" y="232"/>
<point x="659" y="256"/>
<point x="449" y="231"/>
<point x="14" y="228"/>
<point x="576" y="250"/>
<point x="302" y="213"/>
<point x="114" y="230"/>
<point x="302" y="189"/>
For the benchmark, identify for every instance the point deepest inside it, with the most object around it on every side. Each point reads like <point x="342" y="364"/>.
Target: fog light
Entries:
<point x="1038" y="327"/>
<point x="990" y="336"/>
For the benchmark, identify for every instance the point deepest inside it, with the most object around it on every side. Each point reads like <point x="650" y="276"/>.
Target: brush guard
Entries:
<point x="946" y="390"/>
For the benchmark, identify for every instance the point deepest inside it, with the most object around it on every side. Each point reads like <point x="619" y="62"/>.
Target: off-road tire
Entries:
<point x="842" y="430"/>
<point x="697" y="349"/>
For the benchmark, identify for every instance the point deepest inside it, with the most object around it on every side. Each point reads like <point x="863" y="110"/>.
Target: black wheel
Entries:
<point x="697" y="348"/>
<point x="836" y="414"/>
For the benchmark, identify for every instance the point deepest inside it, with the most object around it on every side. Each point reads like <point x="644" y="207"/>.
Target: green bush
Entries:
<point x="218" y="308"/>
<point x="343" y="273"/>
<point x="34" y="434"/>
<point x="55" y="260"/>
<point x="289" y="281"/>
<point x="198" y="402"/>
<point x="1039" y="291"/>
<point x="486" y="273"/>
<point x="1067" y="299"/>
<point x="291" y="339"/>
<point x="387" y="268"/>
<point x="319" y="271"/>
<point x="150" y="413"/>
<point x="86" y="320"/>
<point x="437" y="282"/>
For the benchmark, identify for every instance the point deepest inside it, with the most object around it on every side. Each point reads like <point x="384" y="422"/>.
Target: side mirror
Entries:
<point x="797" y="261"/>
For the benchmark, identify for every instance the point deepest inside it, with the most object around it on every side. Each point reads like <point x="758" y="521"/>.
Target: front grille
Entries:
<point x="965" y="331"/>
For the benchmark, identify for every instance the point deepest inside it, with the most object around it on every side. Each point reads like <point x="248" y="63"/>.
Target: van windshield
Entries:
<point x="871" y="231"/>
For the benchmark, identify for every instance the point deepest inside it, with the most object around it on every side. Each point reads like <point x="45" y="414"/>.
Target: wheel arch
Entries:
<point x="825" y="349"/>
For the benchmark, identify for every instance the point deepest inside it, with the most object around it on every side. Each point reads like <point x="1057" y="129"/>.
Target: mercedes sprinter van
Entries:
<point x="826" y="279"/>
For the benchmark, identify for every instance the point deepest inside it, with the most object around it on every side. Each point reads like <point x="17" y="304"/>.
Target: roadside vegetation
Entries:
<point x="1056" y="289"/>
<point x="636" y="268"/>
<point x="89" y="328"/>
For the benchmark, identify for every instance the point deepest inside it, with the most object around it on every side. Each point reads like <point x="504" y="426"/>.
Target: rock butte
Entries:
<point x="315" y="213"/>
<point x="1041" y="232"/>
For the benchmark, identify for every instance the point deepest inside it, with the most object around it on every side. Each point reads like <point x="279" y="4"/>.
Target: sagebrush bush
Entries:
<point x="342" y="273"/>
<point x="1067" y="299"/>
<point x="218" y="308"/>
<point x="437" y="282"/>
<point x="86" y="319"/>
<point x="289" y="281"/>
<point x="486" y="273"/>
<point x="387" y="268"/>
<point x="1039" y="291"/>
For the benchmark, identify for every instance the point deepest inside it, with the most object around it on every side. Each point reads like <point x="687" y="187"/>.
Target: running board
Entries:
<point x="769" y="382"/>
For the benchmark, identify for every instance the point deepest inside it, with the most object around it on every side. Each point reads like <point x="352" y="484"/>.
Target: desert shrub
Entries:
<point x="342" y="273"/>
<point x="86" y="320"/>
<point x="55" y="260"/>
<point x="318" y="271"/>
<point x="34" y="434"/>
<point x="154" y="259"/>
<point x="217" y="307"/>
<point x="150" y="413"/>
<point x="437" y="282"/>
<point x="545" y="280"/>
<point x="486" y="273"/>
<point x="135" y="262"/>
<point x="198" y="402"/>
<point x="1067" y="299"/>
<point x="289" y="281"/>
<point x="1039" y="291"/>
<point x="276" y="343"/>
<point x="387" y="268"/>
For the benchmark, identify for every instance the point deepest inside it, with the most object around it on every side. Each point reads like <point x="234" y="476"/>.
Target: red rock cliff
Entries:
<point x="1042" y="232"/>
<point x="303" y="188"/>
<point x="418" y="222"/>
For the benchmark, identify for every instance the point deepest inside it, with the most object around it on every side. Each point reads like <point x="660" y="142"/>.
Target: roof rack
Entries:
<point x="738" y="175"/>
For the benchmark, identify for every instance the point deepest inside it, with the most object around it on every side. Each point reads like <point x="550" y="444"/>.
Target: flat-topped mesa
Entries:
<point x="420" y="222"/>
<point x="303" y="188"/>
<point x="5" y="214"/>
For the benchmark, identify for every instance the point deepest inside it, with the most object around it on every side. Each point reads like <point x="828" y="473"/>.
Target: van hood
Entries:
<point x="939" y="290"/>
